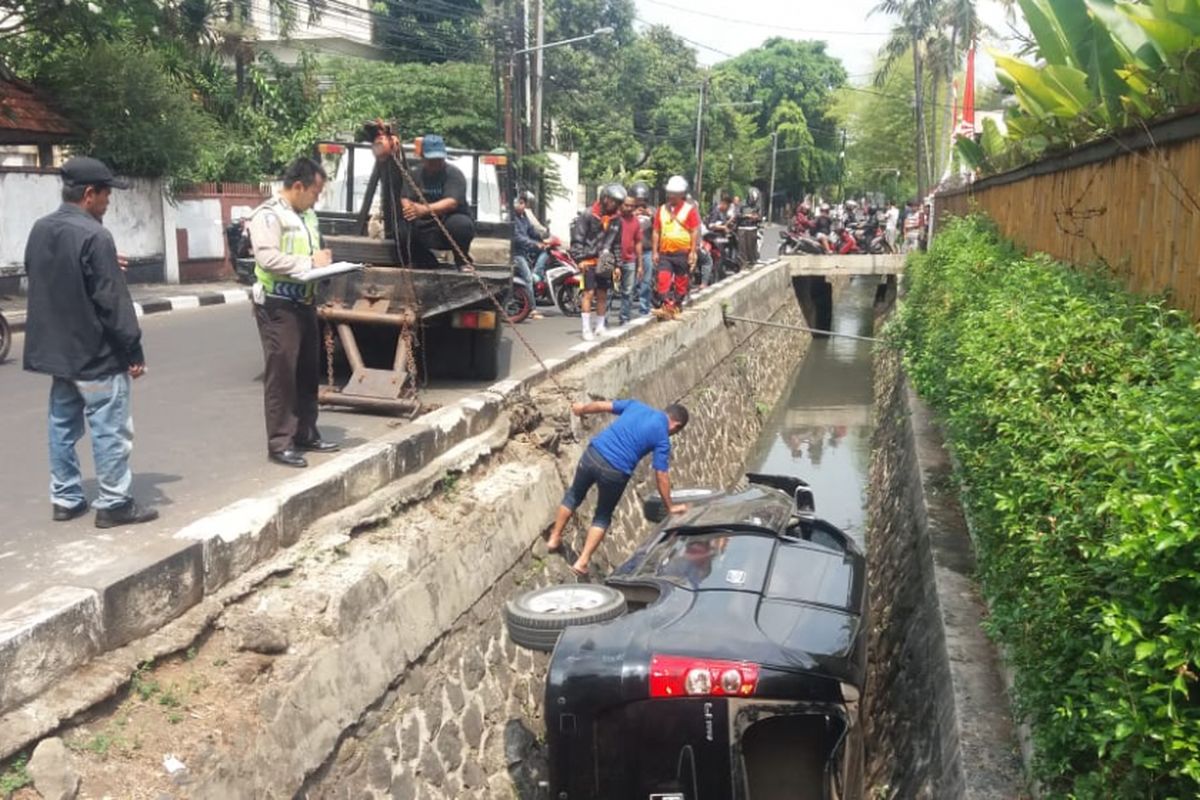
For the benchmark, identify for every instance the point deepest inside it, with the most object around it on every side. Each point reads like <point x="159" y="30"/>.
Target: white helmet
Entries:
<point x="677" y="185"/>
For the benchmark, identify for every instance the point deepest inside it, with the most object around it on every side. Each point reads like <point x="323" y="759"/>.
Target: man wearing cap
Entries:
<point x="82" y="330"/>
<point x="675" y="244"/>
<point x="443" y="197"/>
<point x="287" y="243"/>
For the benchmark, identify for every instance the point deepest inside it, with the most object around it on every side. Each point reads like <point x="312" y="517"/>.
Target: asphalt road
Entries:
<point x="200" y="442"/>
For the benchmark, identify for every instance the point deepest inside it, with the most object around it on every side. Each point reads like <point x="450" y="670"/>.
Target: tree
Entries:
<point x="917" y="27"/>
<point x="881" y="146"/>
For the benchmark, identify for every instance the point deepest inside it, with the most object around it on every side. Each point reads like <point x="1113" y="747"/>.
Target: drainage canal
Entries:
<point x="821" y="428"/>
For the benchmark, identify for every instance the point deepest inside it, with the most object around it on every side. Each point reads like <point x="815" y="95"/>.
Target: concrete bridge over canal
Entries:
<point x="805" y="265"/>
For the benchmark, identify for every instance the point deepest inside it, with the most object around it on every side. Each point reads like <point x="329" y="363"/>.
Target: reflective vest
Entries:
<point x="673" y="235"/>
<point x="300" y="236"/>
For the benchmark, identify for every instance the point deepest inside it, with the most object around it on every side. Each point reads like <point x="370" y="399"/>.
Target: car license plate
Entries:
<point x="668" y="796"/>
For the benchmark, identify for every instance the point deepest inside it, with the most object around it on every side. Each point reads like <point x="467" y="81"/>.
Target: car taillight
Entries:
<point x="482" y="320"/>
<point x="683" y="676"/>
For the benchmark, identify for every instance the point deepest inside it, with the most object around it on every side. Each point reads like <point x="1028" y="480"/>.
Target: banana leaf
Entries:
<point x="1169" y="38"/>
<point x="1127" y="35"/>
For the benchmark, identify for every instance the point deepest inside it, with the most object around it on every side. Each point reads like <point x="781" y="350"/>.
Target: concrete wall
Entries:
<point x="936" y="715"/>
<point x="135" y="217"/>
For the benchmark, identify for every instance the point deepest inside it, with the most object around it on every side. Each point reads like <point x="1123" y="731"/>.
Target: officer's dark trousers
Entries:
<point x="292" y="364"/>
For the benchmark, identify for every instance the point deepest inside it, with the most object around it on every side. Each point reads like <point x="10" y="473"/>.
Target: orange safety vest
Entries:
<point x="673" y="235"/>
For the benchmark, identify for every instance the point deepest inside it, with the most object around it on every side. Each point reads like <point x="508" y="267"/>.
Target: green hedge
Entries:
<point x="1073" y="408"/>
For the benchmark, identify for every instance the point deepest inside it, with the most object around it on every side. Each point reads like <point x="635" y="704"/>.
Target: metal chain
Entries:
<point x="458" y="250"/>
<point x="329" y="353"/>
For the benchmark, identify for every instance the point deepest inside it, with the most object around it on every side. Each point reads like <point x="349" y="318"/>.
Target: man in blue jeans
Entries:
<point x="610" y="460"/>
<point x="82" y="330"/>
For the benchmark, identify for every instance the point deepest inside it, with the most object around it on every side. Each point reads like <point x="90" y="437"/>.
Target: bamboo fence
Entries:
<point x="1131" y="202"/>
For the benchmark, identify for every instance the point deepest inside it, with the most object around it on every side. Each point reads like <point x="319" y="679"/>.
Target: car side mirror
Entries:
<point x="806" y="504"/>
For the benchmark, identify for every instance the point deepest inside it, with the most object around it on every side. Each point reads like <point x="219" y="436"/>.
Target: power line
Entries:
<point x="765" y="26"/>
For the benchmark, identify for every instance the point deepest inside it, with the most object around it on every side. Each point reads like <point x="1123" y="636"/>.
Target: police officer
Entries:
<point x="287" y="243"/>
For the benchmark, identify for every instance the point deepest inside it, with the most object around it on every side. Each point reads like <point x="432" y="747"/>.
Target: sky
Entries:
<point x="719" y="28"/>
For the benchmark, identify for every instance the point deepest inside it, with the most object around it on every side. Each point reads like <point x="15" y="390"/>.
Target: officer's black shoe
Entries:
<point x="288" y="458"/>
<point x="130" y="513"/>
<point x="68" y="513"/>
<point x="318" y="446"/>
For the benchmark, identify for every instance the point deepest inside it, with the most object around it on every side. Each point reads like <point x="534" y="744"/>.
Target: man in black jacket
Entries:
<point x="594" y="241"/>
<point x="82" y="330"/>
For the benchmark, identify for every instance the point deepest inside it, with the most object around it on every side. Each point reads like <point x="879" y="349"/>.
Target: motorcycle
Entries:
<point x="518" y="303"/>
<point x="5" y="338"/>
<point x="559" y="282"/>
<point x="792" y="242"/>
<point x="722" y="249"/>
<point x="844" y="242"/>
<point x="241" y="254"/>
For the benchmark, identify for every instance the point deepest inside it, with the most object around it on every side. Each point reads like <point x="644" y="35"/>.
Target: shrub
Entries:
<point x="1072" y="407"/>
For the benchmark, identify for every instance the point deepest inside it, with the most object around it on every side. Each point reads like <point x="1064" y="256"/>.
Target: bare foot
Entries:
<point x="554" y="543"/>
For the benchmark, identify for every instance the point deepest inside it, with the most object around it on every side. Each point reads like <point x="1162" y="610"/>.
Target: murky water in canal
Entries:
<point x="821" y="429"/>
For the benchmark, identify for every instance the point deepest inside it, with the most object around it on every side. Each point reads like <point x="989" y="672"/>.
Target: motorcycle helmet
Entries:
<point x="640" y="190"/>
<point x="852" y="204"/>
<point x="753" y="197"/>
<point x="824" y="206"/>
<point x="805" y="208"/>
<point x="614" y="192"/>
<point x="677" y="185"/>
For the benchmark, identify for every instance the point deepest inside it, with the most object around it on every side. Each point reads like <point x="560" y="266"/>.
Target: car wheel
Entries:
<point x="535" y="619"/>
<point x="654" y="510"/>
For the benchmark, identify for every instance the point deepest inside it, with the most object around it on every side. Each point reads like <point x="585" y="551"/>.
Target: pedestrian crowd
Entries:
<point x="904" y="229"/>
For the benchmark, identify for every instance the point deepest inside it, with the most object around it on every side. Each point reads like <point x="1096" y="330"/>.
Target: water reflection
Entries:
<point x="821" y="429"/>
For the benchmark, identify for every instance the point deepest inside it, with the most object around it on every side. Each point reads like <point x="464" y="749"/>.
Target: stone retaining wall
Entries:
<point x="936" y="716"/>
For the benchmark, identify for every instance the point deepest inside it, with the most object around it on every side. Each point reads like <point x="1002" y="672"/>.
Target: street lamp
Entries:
<point x="536" y="122"/>
<point x="598" y="32"/>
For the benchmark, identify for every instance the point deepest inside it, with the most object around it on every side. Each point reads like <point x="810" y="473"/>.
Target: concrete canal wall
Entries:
<point x="937" y="717"/>
<point x="369" y="658"/>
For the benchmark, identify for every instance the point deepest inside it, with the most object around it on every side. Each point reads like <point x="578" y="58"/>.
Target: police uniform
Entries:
<point x="284" y="243"/>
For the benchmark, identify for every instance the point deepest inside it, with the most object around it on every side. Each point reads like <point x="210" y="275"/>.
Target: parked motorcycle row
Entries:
<point x="838" y="231"/>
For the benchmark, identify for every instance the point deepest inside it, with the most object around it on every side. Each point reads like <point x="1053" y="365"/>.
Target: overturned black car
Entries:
<point x="723" y="661"/>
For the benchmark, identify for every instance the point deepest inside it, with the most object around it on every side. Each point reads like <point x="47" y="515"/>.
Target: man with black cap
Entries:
<point x="82" y="330"/>
<point x="443" y="197"/>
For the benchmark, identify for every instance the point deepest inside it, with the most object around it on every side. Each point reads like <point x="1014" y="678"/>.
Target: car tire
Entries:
<point x="654" y="510"/>
<point x="535" y="619"/>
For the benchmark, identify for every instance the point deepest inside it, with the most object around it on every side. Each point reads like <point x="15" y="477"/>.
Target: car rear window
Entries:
<point x="811" y="575"/>
<point x="717" y="560"/>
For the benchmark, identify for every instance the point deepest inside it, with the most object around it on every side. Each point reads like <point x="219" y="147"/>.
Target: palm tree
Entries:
<point x="918" y="21"/>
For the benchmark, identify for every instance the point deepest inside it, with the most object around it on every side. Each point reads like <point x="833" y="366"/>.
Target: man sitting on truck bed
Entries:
<point x="445" y="190"/>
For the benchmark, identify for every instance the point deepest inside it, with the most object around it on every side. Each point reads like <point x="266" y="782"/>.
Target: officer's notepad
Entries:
<point x="318" y="273"/>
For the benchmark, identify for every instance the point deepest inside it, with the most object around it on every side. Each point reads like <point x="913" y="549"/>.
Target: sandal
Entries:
<point x="556" y="549"/>
<point x="581" y="574"/>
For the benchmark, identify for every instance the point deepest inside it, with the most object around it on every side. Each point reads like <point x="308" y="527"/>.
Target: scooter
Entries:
<point x="793" y="242"/>
<point x="241" y="254"/>
<point x="560" y="284"/>
<point x="5" y="337"/>
<point x="723" y="250"/>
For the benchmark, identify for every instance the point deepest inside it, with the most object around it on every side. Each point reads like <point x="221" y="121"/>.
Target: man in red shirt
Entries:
<point x="631" y="256"/>
<point x="675" y="245"/>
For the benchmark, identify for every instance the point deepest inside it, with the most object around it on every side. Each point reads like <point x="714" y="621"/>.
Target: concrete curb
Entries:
<point x="46" y="638"/>
<point x="159" y="305"/>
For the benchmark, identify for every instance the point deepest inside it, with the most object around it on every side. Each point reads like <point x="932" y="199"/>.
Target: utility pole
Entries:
<point x="842" y="170"/>
<point x="539" y="25"/>
<point x="699" y="138"/>
<point x="771" y="185"/>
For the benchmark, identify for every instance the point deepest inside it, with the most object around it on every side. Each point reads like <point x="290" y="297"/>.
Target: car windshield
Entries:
<point x="710" y="560"/>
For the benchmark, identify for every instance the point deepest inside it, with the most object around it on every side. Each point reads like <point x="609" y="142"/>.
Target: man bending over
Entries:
<point x="610" y="460"/>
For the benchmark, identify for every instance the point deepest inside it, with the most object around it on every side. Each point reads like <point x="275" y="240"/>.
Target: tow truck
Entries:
<point x="397" y="326"/>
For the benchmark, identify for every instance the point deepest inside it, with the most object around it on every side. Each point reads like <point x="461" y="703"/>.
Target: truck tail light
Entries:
<point x="474" y="320"/>
<point x="683" y="676"/>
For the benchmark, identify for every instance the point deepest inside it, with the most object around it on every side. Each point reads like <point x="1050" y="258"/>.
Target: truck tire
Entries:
<point x="485" y="355"/>
<point x="535" y="619"/>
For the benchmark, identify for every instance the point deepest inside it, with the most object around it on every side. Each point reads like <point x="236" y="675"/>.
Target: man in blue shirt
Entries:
<point x="610" y="460"/>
